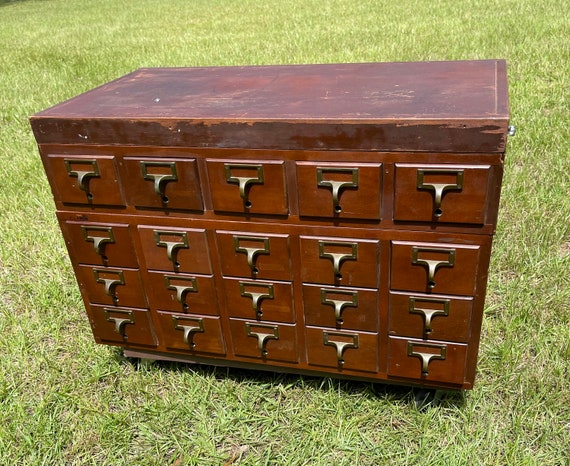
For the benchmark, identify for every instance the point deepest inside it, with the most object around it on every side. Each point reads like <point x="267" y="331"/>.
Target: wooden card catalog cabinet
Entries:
<point x="315" y="219"/>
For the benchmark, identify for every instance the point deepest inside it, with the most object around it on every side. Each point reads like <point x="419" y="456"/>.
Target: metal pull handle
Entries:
<point x="337" y="186"/>
<point x="429" y="314"/>
<point x="256" y="297"/>
<point x="159" y="179"/>
<point x="172" y="247"/>
<point x="244" y="182"/>
<point x="83" y="176"/>
<point x="338" y="304"/>
<point x="181" y="290"/>
<point x="99" y="242"/>
<point x="426" y="357"/>
<point x="439" y="189"/>
<point x="267" y="332"/>
<point x="251" y="252"/>
<point x="120" y="322"/>
<point x="336" y="257"/>
<point x="342" y="344"/>
<point x="430" y="264"/>
<point x="110" y="283"/>
<point x="197" y="326"/>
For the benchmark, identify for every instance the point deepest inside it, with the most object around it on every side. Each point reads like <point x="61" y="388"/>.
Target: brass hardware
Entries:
<point x="430" y="264"/>
<point x="120" y="323"/>
<point x="83" y="176"/>
<point x="336" y="186"/>
<point x="251" y="252"/>
<point x="338" y="258"/>
<point x="172" y="247"/>
<point x="99" y="242"/>
<point x="439" y="189"/>
<point x="256" y="297"/>
<point x="424" y="357"/>
<point x="337" y="304"/>
<point x="181" y="290"/>
<point x="189" y="330"/>
<point x="110" y="283"/>
<point x="429" y="314"/>
<point x="340" y="346"/>
<point x="244" y="182"/>
<point x="262" y="336"/>
<point x="159" y="179"/>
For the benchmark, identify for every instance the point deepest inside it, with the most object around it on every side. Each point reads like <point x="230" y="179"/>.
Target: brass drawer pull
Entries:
<point x="266" y="333"/>
<point x="251" y="252"/>
<point x="172" y="247"/>
<point x="181" y="290"/>
<point x="110" y="283"/>
<point x="336" y="186"/>
<point x="256" y="297"/>
<point x="338" y="304"/>
<point x="340" y="345"/>
<point x="338" y="258"/>
<point x="83" y="176"/>
<point x="429" y="314"/>
<point x="244" y="182"/>
<point x="159" y="179"/>
<point x="430" y="264"/>
<point x="424" y="357"/>
<point x="99" y="242"/>
<point x="439" y="189"/>
<point x="120" y="322"/>
<point x="189" y="330"/>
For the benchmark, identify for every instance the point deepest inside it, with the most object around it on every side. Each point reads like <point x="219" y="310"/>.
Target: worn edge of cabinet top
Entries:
<point x="459" y="106"/>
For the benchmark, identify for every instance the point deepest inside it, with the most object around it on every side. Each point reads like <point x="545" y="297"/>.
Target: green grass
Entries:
<point x="64" y="400"/>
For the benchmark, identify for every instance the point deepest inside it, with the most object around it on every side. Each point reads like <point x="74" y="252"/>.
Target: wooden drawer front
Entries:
<point x="262" y="256"/>
<point x="340" y="307"/>
<point x="261" y="300"/>
<point x="434" y="267"/>
<point x="112" y="286"/>
<point x="106" y="244"/>
<point x="84" y="179"/>
<point x="342" y="350"/>
<point x="339" y="261"/>
<point x="426" y="360"/>
<point x="163" y="183"/>
<point x="264" y="340"/>
<point x="443" y="193"/>
<point x="180" y="292"/>
<point x="339" y="190"/>
<point x="175" y="249"/>
<point x="121" y="325"/>
<point x="193" y="333"/>
<point x="248" y="186"/>
<point x="437" y="317"/>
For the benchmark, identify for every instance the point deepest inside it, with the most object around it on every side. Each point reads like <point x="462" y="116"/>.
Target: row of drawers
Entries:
<point x="447" y="193"/>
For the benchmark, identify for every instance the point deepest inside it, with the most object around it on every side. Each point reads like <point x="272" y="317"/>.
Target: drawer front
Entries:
<point x="178" y="292"/>
<point x="106" y="244"/>
<point x="261" y="300"/>
<point x="427" y="360"/>
<point x="339" y="261"/>
<point x="341" y="307"/>
<point x="339" y="190"/>
<point x="175" y="249"/>
<point x="112" y="286"/>
<point x="84" y="179"/>
<point x="443" y="193"/>
<point x="121" y="325"/>
<point x="434" y="267"/>
<point x="264" y="341"/>
<point x="261" y="256"/>
<point x="163" y="183"/>
<point x="248" y="186"/>
<point x="342" y="350"/>
<point x="437" y="317"/>
<point x="192" y="333"/>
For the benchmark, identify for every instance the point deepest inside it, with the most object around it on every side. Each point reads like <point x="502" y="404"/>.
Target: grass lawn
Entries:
<point x="65" y="400"/>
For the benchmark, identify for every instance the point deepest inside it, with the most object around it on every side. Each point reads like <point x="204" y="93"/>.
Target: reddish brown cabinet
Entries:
<point x="317" y="219"/>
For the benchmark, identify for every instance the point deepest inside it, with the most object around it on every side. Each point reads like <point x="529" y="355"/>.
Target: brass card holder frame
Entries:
<point x="425" y="357"/>
<point x="120" y="323"/>
<point x="337" y="304"/>
<point x="432" y="265"/>
<point x="336" y="186"/>
<point x="189" y="330"/>
<point x="340" y="346"/>
<point x="172" y="247"/>
<point x="439" y="189"/>
<point x="99" y="242"/>
<point x="159" y="180"/>
<point x="262" y="336"/>
<point x="251" y="252"/>
<point x="83" y="176"/>
<point x="427" y="313"/>
<point x="256" y="297"/>
<point x="244" y="182"/>
<point x="338" y="258"/>
<point x="181" y="290"/>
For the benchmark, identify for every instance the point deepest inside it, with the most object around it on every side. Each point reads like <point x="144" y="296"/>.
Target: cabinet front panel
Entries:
<point x="192" y="333"/>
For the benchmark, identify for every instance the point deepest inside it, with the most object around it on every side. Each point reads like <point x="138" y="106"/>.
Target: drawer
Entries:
<point x="339" y="261"/>
<point x="341" y="307"/>
<point x="261" y="300"/>
<point x="342" y="350"/>
<point x="163" y="183"/>
<point x="107" y="244"/>
<point x="121" y="325"/>
<point x="192" y="333"/>
<point x="336" y="190"/>
<point x="175" y="249"/>
<point x="112" y="286"/>
<point x="443" y="193"/>
<point x="434" y="267"/>
<point x="261" y="256"/>
<point x="427" y="360"/>
<point x="437" y="317"/>
<point x="85" y="179"/>
<point x="264" y="341"/>
<point x="179" y="292"/>
<point x="248" y="186"/>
